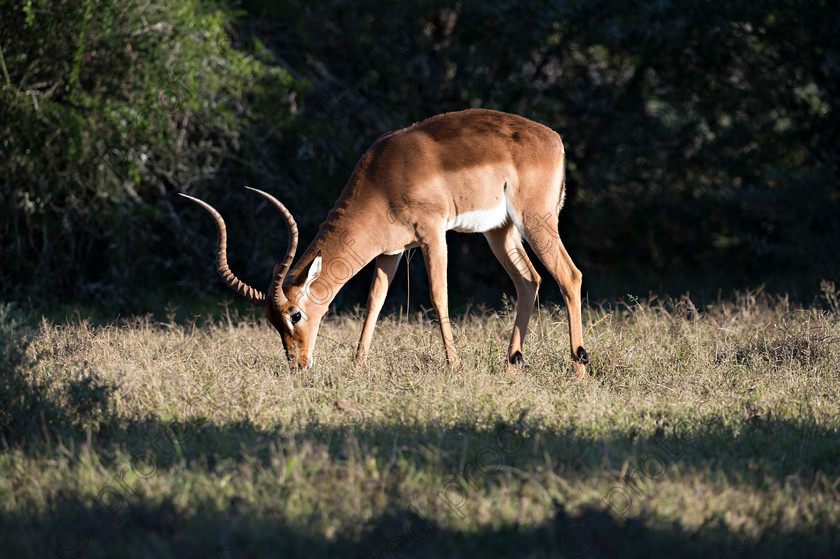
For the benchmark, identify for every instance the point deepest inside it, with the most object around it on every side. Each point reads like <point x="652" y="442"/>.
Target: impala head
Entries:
<point x="287" y="305"/>
<point x="296" y="318"/>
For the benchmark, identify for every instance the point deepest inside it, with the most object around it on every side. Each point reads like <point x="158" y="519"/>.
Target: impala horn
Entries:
<point x="282" y="265"/>
<point x="276" y="296"/>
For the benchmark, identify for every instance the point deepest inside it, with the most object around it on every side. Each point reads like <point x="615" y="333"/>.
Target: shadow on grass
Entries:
<point x="73" y="529"/>
<point x="147" y="527"/>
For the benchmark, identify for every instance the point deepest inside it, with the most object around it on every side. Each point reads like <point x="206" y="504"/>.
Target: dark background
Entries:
<point x="702" y="138"/>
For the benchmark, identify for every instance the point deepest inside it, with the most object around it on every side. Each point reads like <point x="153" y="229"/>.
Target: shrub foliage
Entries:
<point x="702" y="140"/>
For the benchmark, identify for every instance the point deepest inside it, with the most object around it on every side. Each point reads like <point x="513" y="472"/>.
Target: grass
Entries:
<point x="706" y="432"/>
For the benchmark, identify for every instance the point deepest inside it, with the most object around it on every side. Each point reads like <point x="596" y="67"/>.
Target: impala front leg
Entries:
<point x="386" y="267"/>
<point x="434" y="254"/>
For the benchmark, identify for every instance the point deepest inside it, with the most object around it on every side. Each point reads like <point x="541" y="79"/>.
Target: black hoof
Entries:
<point x="516" y="359"/>
<point x="582" y="356"/>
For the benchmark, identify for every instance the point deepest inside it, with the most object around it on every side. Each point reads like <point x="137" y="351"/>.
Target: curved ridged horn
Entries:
<point x="222" y="268"/>
<point x="282" y="265"/>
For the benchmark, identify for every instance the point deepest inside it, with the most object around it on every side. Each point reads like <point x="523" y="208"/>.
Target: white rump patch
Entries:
<point x="479" y="221"/>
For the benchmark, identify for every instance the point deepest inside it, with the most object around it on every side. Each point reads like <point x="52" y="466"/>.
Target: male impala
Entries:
<point x="476" y="171"/>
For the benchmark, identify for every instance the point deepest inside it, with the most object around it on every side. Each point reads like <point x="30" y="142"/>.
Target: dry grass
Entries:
<point x="701" y="432"/>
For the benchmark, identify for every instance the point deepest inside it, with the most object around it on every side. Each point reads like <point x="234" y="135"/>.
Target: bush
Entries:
<point x="702" y="141"/>
<point x="110" y="108"/>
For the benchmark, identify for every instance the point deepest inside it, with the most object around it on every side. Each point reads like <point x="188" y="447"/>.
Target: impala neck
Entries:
<point x="345" y="248"/>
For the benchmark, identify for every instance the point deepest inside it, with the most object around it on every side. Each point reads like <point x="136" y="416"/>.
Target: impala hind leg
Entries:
<point x="434" y="254"/>
<point x="383" y="275"/>
<point x="506" y="245"/>
<point x="543" y="237"/>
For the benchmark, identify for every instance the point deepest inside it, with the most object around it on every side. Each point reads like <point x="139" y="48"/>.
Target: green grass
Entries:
<point x="701" y="432"/>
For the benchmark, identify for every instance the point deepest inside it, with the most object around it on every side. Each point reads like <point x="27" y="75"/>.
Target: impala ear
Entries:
<point x="314" y="270"/>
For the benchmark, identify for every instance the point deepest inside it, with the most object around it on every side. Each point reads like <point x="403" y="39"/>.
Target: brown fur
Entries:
<point x="406" y="190"/>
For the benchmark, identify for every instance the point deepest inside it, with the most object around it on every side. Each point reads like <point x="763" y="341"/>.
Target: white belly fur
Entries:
<point x="479" y="221"/>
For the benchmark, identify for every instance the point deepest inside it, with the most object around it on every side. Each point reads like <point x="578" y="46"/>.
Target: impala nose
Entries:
<point x="302" y="366"/>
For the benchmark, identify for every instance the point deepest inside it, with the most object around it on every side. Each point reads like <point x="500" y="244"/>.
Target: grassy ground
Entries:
<point x="701" y="433"/>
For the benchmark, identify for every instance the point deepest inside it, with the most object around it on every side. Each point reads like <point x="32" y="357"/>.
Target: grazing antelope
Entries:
<point x="476" y="171"/>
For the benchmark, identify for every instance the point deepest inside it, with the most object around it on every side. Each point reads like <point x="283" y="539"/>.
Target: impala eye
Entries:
<point x="296" y="317"/>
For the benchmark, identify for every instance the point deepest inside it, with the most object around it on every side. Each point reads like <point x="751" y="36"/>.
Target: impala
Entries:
<point x="476" y="171"/>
